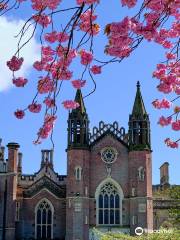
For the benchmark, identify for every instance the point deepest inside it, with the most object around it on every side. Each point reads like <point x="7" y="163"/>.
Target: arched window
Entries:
<point x="44" y="220"/>
<point x="141" y="173"/>
<point x="109" y="204"/>
<point x="78" y="173"/>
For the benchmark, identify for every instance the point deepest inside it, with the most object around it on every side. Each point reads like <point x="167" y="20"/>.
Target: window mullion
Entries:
<point x="114" y="209"/>
<point x="103" y="208"/>
<point x="109" y="209"/>
<point x="46" y="220"/>
<point x="41" y="222"/>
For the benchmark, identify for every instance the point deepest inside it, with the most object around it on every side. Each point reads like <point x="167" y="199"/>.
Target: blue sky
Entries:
<point x="112" y="101"/>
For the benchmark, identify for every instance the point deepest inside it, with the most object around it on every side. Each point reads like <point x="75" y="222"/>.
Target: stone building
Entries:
<point x="108" y="183"/>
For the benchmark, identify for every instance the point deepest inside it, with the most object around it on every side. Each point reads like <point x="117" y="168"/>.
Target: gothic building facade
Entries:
<point x="108" y="183"/>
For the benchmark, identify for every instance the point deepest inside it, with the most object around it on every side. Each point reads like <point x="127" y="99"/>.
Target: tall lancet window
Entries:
<point x="44" y="220"/>
<point x="109" y="205"/>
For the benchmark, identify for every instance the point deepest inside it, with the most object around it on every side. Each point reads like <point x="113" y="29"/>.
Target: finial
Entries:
<point x="138" y="84"/>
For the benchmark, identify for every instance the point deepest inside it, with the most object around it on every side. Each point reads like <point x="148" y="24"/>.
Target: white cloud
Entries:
<point x="8" y="46"/>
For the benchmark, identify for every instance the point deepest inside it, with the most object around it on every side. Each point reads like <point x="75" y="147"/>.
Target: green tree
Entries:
<point x="174" y="212"/>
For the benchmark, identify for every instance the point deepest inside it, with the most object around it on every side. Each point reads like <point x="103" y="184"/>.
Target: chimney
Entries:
<point x="164" y="174"/>
<point x="19" y="162"/>
<point x="12" y="156"/>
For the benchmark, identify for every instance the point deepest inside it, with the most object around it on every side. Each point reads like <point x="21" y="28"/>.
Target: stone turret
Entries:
<point x="140" y="166"/>
<point x="139" y="125"/>
<point x="78" y="157"/>
<point x="78" y="125"/>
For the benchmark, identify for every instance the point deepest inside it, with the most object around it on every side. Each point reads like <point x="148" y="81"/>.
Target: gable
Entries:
<point x="47" y="183"/>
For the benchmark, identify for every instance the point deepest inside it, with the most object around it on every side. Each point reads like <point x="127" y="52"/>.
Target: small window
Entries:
<point x="78" y="173"/>
<point x="141" y="173"/>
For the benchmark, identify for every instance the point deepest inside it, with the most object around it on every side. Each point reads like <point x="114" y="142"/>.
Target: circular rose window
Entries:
<point x="109" y="155"/>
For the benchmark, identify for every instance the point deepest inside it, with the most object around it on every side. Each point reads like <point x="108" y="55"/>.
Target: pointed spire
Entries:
<point x="78" y="125"/>
<point x="79" y="99"/>
<point x="138" y="108"/>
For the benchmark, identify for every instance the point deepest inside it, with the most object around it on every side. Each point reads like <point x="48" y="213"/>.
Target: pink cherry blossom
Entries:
<point x="49" y="102"/>
<point x="164" y="121"/>
<point x="35" y="108"/>
<point x="70" y="104"/>
<point x="170" y="143"/>
<point x="86" y="57"/>
<point x="20" y="81"/>
<point x="47" y="51"/>
<point x="61" y="74"/>
<point x="96" y="69"/>
<point x="78" y="83"/>
<point x="42" y="19"/>
<point x="79" y="2"/>
<point x="15" y="63"/>
<point x="39" y="5"/>
<point x="176" y="125"/>
<point x="170" y="56"/>
<point x="62" y="37"/>
<point x="45" y="85"/>
<point x="87" y="23"/>
<point x="157" y="21"/>
<point x="19" y="113"/>
<point x="38" y="65"/>
<point x="51" y="37"/>
<point x="129" y="3"/>
<point x="164" y="103"/>
<point x="47" y="127"/>
<point x="165" y="88"/>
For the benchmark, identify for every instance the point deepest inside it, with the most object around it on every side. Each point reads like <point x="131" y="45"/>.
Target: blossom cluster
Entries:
<point x="20" y="81"/>
<point x="15" y="63"/>
<point x="70" y="104"/>
<point x="87" y="23"/>
<point x="39" y="5"/>
<point x="87" y="1"/>
<point x="62" y="49"/>
<point x="171" y="143"/>
<point x="47" y="128"/>
<point x="164" y="103"/>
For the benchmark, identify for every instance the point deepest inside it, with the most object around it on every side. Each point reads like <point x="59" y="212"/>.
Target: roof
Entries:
<point x="139" y="108"/>
<point x="79" y="99"/>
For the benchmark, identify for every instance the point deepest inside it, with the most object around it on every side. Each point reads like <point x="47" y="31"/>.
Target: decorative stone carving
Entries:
<point x="109" y="155"/>
<point x="105" y="128"/>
